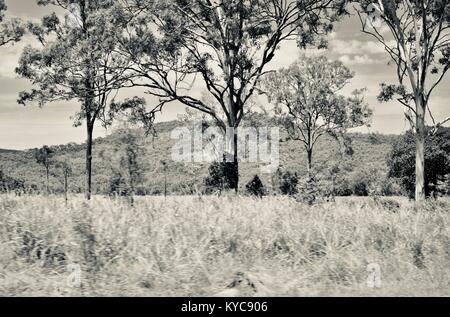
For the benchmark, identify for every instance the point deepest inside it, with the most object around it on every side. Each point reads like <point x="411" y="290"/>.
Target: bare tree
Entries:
<point x="418" y="42"/>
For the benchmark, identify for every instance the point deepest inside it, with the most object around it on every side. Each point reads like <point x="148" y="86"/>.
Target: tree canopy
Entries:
<point x="223" y="45"/>
<point x="308" y="102"/>
<point x="77" y="60"/>
<point x="11" y="30"/>
<point x="226" y="44"/>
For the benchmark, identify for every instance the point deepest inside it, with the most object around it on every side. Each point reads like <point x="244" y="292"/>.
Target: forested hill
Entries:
<point x="368" y="160"/>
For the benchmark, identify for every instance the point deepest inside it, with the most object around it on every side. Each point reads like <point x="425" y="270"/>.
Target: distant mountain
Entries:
<point x="370" y="151"/>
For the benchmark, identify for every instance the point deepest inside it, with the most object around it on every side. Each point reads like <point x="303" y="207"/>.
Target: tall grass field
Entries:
<point x="224" y="246"/>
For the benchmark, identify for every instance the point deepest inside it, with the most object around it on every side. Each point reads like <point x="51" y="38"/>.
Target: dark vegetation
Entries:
<point x="401" y="162"/>
<point x="255" y="187"/>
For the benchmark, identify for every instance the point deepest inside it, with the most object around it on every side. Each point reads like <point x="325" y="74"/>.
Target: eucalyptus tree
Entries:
<point x="308" y="102"/>
<point x="416" y="37"/>
<point x="11" y="30"/>
<point x="225" y="46"/>
<point x="75" y="62"/>
<point x="45" y="157"/>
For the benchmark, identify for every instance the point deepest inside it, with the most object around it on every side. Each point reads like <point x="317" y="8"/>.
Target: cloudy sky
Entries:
<point x="28" y="127"/>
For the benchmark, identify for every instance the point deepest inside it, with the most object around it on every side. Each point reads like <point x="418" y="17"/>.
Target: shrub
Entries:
<point x="309" y="191"/>
<point x="287" y="183"/>
<point x="118" y="185"/>
<point x="220" y="177"/>
<point x="10" y="184"/>
<point x="401" y="160"/>
<point x="255" y="187"/>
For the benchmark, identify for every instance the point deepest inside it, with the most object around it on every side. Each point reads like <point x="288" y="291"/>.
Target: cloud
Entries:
<point x="354" y="47"/>
<point x="358" y="60"/>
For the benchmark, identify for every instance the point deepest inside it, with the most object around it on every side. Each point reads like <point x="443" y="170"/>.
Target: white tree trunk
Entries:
<point x="420" y="150"/>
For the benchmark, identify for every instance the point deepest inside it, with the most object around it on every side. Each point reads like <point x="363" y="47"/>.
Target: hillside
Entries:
<point x="369" y="152"/>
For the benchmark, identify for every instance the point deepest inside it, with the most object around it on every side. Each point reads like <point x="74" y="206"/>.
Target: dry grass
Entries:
<point x="195" y="246"/>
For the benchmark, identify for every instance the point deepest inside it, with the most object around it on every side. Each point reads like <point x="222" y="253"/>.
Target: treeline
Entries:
<point x="130" y="163"/>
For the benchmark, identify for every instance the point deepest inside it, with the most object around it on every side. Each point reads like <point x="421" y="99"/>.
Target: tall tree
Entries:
<point x="418" y="42"/>
<point x="308" y="103"/>
<point x="11" y="30"/>
<point x="76" y="62"/>
<point x="224" y="45"/>
<point x="44" y="156"/>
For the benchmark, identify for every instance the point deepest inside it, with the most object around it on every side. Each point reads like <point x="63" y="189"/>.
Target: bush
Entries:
<point x="309" y="191"/>
<point x="335" y="178"/>
<point x="118" y="185"/>
<point x="287" y="183"/>
<point x="371" y="182"/>
<point x="220" y="177"/>
<point x="10" y="184"/>
<point x="255" y="187"/>
<point x="402" y="161"/>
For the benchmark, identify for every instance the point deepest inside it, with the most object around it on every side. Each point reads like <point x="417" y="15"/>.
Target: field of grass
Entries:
<point x="201" y="246"/>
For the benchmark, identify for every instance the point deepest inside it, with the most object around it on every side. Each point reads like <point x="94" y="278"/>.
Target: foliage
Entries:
<point x="309" y="190"/>
<point x="44" y="156"/>
<point x="401" y="160"/>
<point x="126" y="164"/>
<point x="183" y="177"/>
<point x="337" y="175"/>
<point x="308" y="104"/>
<point x="64" y="166"/>
<point x="11" y="30"/>
<point x="417" y="42"/>
<point x="220" y="177"/>
<point x="8" y="183"/>
<point x="288" y="182"/>
<point x="226" y="45"/>
<point x="421" y="47"/>
<point x="77" y="60"/>
<point x="256" y="187"/>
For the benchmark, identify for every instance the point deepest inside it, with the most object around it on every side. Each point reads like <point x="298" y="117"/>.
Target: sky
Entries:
<point x="24" y="127"/>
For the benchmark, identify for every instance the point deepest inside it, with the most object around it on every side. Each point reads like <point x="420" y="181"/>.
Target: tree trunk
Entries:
<point x="165" y="184"/>
<point x="309" y="152"/>
<point x="88" y="189"/>
<point x="65" y="188"/>
<point x="47" y="179"/>
<point x="235" y="164"/>
<point x="232" y="163"/>
<point x="420" y="150"/>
